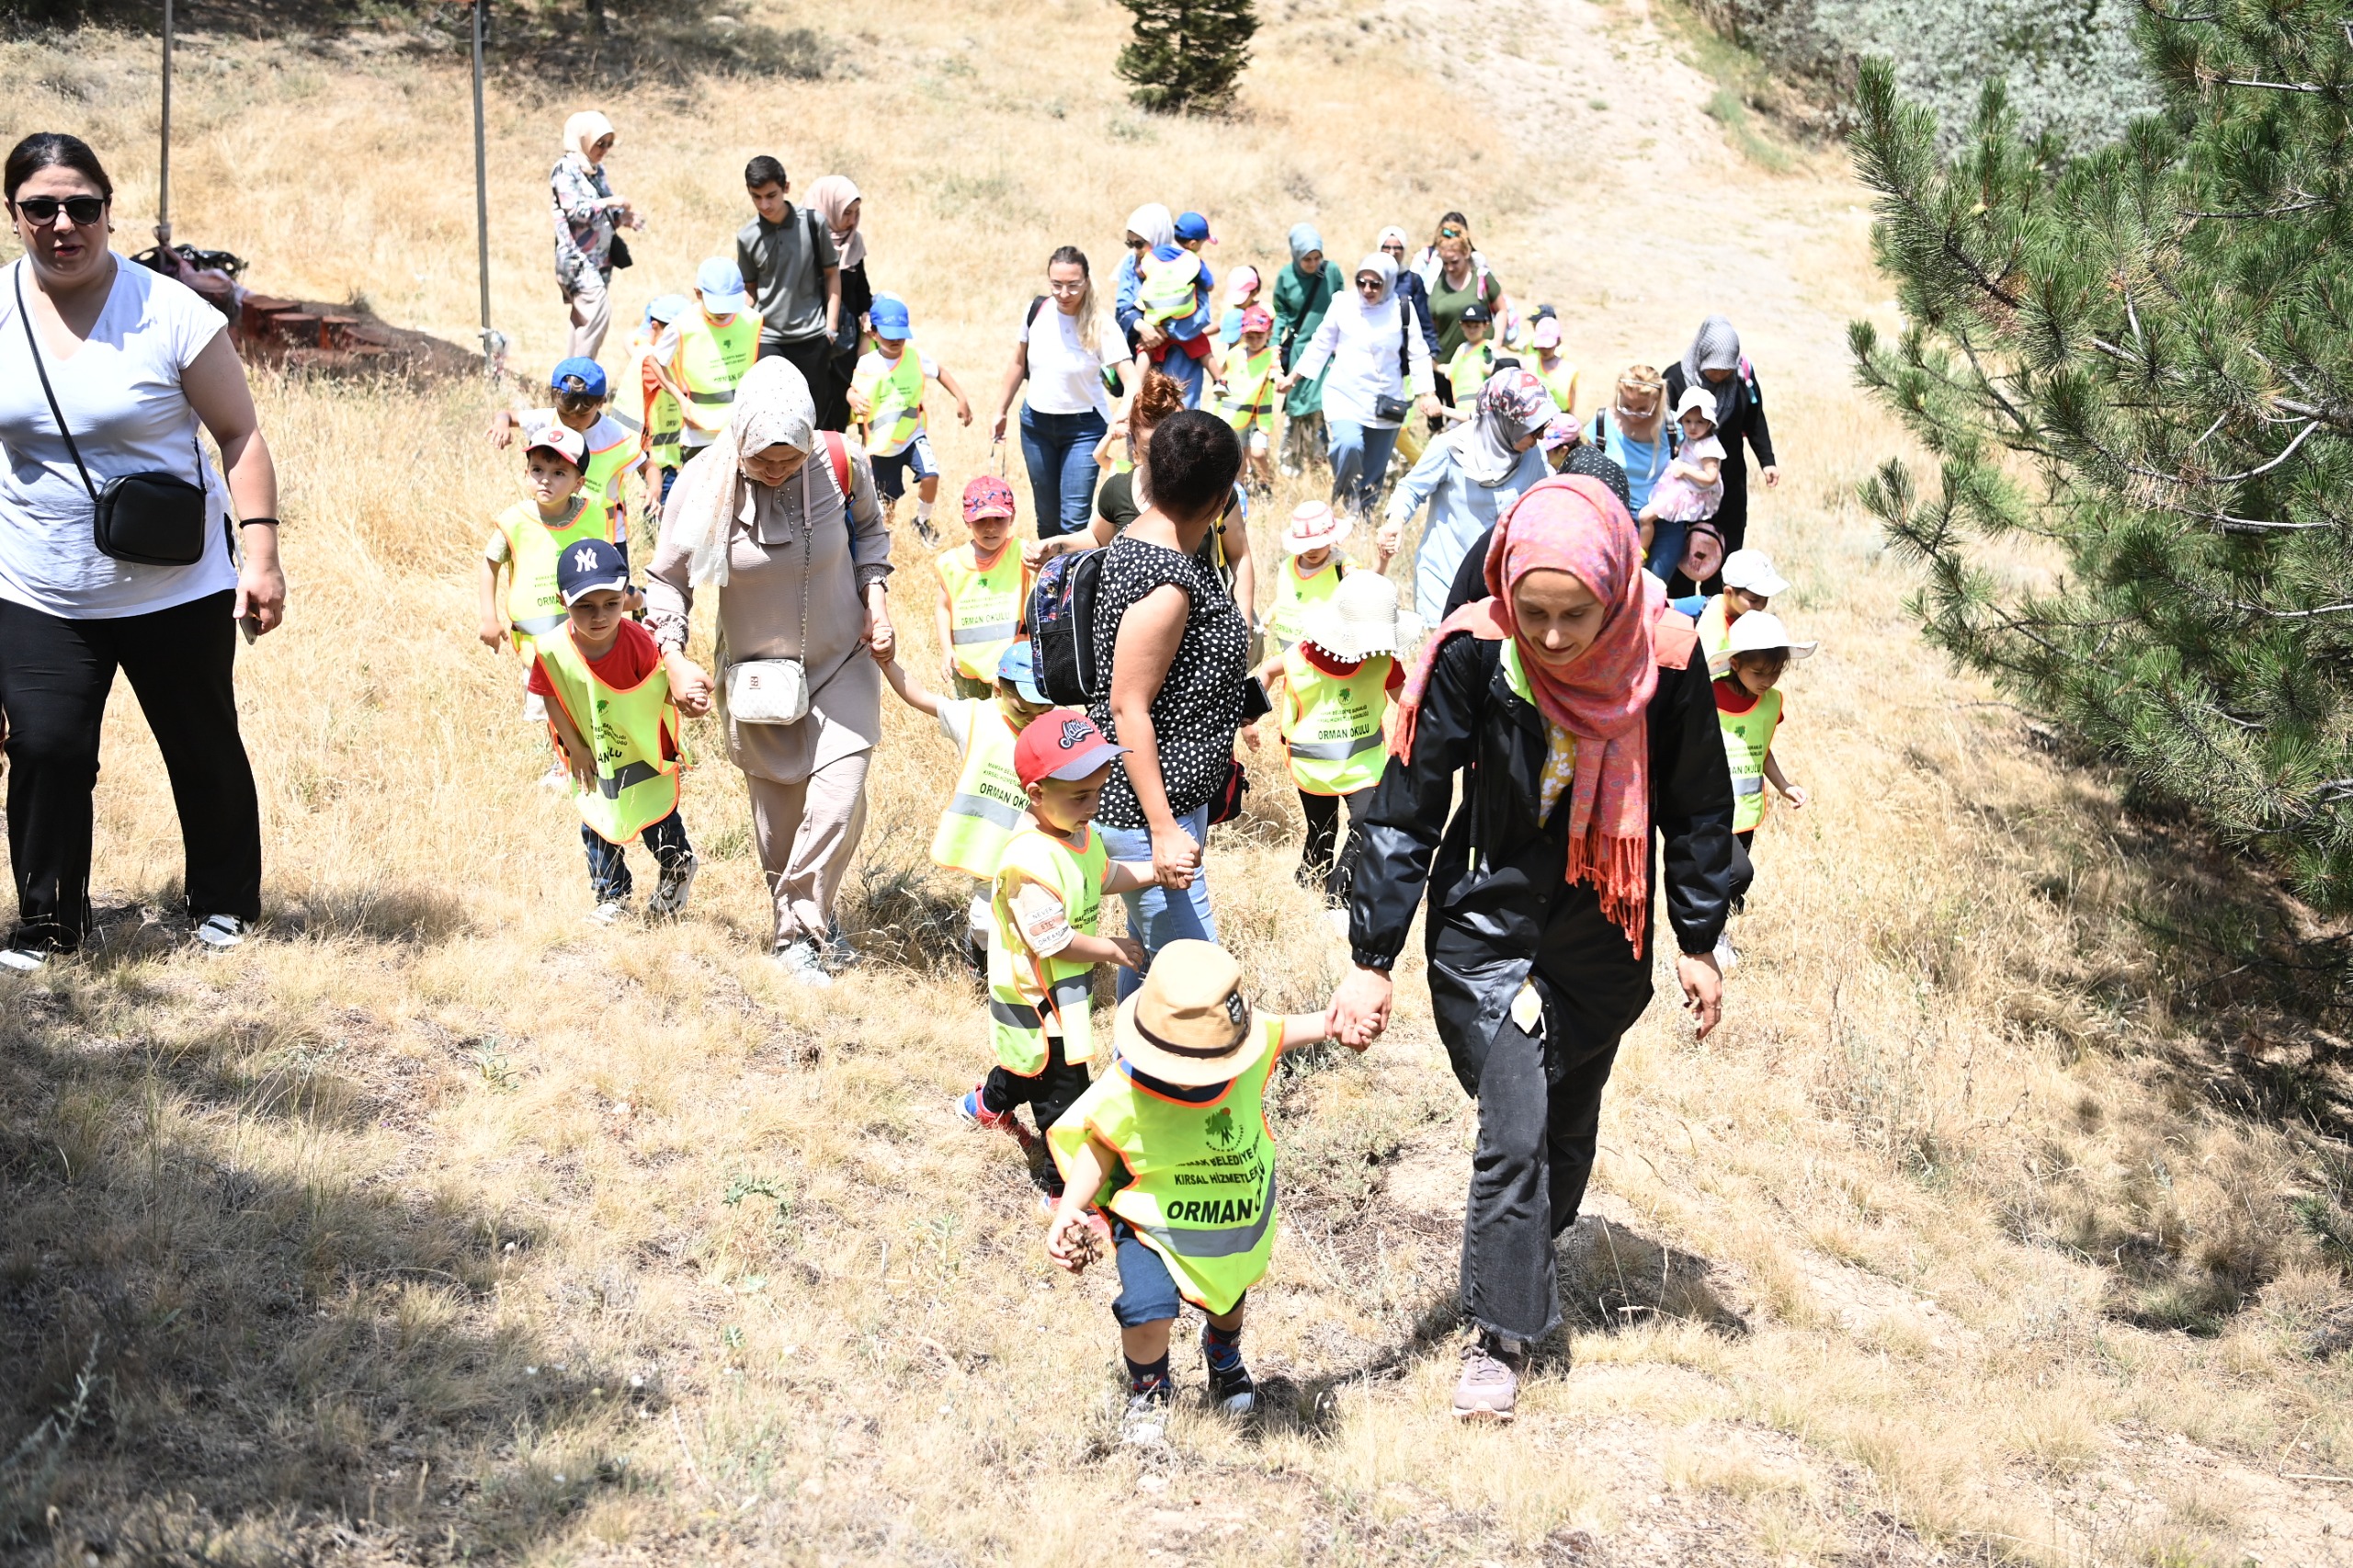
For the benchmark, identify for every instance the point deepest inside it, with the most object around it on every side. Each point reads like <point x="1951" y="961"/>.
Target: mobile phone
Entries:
<point x="251" y="626"/>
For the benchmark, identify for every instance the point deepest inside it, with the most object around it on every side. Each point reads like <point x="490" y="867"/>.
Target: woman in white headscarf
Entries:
<point x="1149" y="228"/>
<point x="783" y="521"/>
<point x="586" y="214"/>
<point x="838" y="203"/>
<point x="1378" y="367"/>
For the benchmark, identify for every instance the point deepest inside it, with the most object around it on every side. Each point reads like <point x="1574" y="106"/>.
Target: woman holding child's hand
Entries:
<point x="1580" y="722"/>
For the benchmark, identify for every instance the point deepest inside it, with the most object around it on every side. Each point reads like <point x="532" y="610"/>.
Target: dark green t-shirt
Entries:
<point x="1447" y="306"/>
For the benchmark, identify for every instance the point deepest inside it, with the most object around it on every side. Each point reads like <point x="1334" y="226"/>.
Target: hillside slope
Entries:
<point x="440" y="1225"/>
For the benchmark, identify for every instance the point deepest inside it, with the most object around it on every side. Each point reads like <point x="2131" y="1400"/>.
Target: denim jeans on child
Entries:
<point x="1147" y="1291"/>
<point x="609" y="872"/>
<point x="1359" y="462"/>
<point x="1060" y="450"/>
<point x="1156" y="916"/>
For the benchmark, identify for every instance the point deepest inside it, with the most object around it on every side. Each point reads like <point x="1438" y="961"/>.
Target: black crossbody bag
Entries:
<point x="149" y="519"/>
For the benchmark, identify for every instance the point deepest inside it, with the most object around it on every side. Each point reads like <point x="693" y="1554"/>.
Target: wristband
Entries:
<point x="257" y="522"/>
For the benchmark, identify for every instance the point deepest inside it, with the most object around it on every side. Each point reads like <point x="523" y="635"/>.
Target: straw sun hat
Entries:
<point x="1188" y="1023"/>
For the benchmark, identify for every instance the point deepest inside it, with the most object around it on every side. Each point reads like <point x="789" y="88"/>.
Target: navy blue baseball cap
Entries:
<point x="587" y="567"/>
<point x="579" y="377"/>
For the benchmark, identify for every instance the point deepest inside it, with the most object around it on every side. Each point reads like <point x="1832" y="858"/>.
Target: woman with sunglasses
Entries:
<point x="133" y="362"/>
<point x="1457" y="278"/>
<point x="587" y="218"/>
<point x="1377" y="364"/>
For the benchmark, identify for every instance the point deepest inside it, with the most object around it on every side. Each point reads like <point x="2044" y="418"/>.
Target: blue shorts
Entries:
<point x="890" y="472"/>
<point x="1147" y="1291"/>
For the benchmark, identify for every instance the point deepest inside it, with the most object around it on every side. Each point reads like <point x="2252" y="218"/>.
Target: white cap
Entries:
<point x="1760" y="630"/>
<point x="1751" y="571"/>
<point x="1358" y="620"/>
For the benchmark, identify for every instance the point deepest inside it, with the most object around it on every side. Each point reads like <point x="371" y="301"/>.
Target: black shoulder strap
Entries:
<point x="33" y="342"/>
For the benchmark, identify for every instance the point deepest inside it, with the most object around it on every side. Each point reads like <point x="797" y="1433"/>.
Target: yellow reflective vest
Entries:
<point x="712" y="358"/>
<point x="1248" y="403"/>
<point x="1468" y="371"/>
<point x="1749" y="740"/>
<point x="1332" y="723"/>
<point x="893" y="393"/>
<point x="604" y="479"/>
<point x="636" y="785"/>
<point x="658" y="412"/>
<point x="533" y="606"/>
<point x="989" y="805"/>
<point x="1561" y="380"/>
<point x="1297" y="592"/>
<point x="983" y="607"/>
<point x="1715" y="635"/>
<point x="1198" y="1179"/>
<point x="1023" y="989"/>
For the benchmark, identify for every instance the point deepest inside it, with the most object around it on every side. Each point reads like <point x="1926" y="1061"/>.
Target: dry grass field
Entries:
<point x="1998" y="1224"/>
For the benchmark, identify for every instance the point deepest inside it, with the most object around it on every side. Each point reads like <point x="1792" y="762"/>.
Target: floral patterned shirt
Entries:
<point x="584" y="227"/>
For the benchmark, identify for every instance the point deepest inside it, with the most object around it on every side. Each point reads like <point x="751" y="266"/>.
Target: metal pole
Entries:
<point x="490" y="340"/>
<point x="164" y="177"/>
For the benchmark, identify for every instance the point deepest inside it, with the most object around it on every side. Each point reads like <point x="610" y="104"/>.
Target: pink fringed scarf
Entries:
<point x="1573" y="524"/>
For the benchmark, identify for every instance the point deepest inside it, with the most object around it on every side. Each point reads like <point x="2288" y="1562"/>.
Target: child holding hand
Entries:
<point x="1749" y="710"/>
<point x="1173" y="1141"/>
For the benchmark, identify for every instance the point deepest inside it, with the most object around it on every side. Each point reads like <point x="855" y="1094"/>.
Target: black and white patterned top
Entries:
<point x="1199" y="705"/>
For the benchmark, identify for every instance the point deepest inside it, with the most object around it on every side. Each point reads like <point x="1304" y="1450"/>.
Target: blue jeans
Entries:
<point x="1359" y="462"/>
<point x="609" y="872"/>
<point x="1155" y="916"/>
<point x="1666" y="546"/>
<point x="1060" y="450"/>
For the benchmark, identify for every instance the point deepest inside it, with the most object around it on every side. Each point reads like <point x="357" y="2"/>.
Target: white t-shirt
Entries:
<point x="121" y="395"/>
<point x="1064" y="376"/>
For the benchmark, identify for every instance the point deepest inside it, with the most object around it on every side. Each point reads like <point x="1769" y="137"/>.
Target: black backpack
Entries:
<point x="1061" y="628"/>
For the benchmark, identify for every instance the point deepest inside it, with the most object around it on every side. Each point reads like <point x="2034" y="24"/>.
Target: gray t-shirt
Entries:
<point x="784" y="268"/>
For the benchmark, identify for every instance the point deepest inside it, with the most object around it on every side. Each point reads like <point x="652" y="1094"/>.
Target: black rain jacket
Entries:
<point x="1499" y="903"/>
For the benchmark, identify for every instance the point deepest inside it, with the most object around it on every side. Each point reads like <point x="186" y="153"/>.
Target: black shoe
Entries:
<point x="1234" y="1390"/>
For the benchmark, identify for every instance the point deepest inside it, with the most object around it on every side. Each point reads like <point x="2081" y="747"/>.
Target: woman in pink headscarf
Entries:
<point x="1580" y="725"/>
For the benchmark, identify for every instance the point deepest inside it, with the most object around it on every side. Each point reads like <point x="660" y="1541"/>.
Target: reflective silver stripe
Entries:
<point x="1748" y="786"/>
<point x="623" y="420"/>
<point x="995" y="631"/>
<point x="717" y="397"/>
<point x="540" y="626"/>
<point x="1222" y="1241"/>
<point x="1336" y="750"/>
<point x="631" y="774"/>
<point x="1073" y="988"/>
<point x="1013" y="1014"/>
<point x="988" y="810"/>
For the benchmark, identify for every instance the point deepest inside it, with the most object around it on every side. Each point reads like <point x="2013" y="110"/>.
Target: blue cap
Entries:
<point x="888" y="316"/>
<point x="578" y="377"/>
<point x="1193" y="226"/>
<point x="587" y="567"/>
<point x="1166" y="253"/>
<point x="1017" y="667"/>
<point x="666" y="308"/>
<point x="721" y="286"/>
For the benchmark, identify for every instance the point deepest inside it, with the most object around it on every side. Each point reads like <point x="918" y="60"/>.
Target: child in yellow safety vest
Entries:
<point x="1749" y="709"/>
<point x="1311" y="568"/>
<point x="1551" y="366"/>
<point x="989" y="805"/>
<point x="1475" y="360"/>
<point x="615" y="454"/>
<point x="1750" y="585"/>
<point x="1051" y="881"/>
<point x="886" y="398"/>
<point x="1172" y="1142"/>
<point x="708" y="353"/>
<point x="984" y="586"/>
<point x="1245" y="393"/>
<point x="616" y="720"/>
<point x="661" y="419"/>
<point x="1336" y="685"/>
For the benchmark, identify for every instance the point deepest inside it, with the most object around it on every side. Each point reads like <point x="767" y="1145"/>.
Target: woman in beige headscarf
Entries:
<point x="586" y="214"/>
<point x="837" y="201"/>
<point x="802" y="564"/>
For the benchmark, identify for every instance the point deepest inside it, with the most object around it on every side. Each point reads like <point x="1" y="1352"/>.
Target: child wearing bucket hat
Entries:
<point x="1693" y="486"/>
<point x="1336" y="685"/>
<point x="1051" y="877"/>
<point x="1313" y="568"/>
<point x="1749" y="709"/>
<point x="1172" y="1142"/>
<point x="886" y="398"/>
<point x="988" y="804"/>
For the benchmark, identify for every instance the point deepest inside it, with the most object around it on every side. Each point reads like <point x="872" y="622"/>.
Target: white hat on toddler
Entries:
<point x="1751" y="571"/>
<point x="1760" y="630"/>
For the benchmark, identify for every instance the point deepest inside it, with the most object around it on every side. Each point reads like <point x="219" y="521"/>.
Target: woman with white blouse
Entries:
<point x="1068" y="343"/>
<point x="1379" y="369"/>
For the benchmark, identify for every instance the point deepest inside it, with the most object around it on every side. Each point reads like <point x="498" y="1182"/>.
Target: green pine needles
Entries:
<point x="1188" y="55"/>
<point x="2145" y="358"/>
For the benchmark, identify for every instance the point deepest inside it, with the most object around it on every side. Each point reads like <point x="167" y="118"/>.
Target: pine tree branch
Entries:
<point x="2308" y="204"/>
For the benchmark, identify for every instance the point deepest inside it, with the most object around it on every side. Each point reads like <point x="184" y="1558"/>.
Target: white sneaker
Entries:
<point x="799" y="962"/>
<point x="1144" y="1425"/>
<point x="1727" y="956"/>
<point x="677" y="880"/>
<point x="24" y="961"/>
<point x="557" y="776"/>
<point x="1338" y="920"/>
<point x="220" y="932"/>
<point x="609" y="912"/>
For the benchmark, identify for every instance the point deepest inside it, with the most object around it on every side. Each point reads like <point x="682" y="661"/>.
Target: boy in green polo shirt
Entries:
<point x="1173" y="1141"/>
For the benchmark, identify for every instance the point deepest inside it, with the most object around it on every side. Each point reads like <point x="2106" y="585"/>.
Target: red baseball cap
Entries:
<point x="988" y="496"/>
<point x="1061" y="743"/>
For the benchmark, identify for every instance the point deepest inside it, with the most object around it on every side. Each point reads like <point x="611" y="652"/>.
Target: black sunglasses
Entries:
<point x="1371" y="283"/>
<point x="83" y="210"/>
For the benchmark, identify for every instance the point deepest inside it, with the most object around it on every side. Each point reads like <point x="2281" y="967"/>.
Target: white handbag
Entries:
<point x="776" y="691"/>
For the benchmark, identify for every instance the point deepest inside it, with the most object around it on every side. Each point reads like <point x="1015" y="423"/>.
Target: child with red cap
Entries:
<point x="983" y="586"/>
<point x="1051" y="881"/>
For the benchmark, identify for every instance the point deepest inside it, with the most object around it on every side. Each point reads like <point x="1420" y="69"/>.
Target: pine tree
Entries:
<point x="1188" y="55"/>
<point x="2140" y="365"/>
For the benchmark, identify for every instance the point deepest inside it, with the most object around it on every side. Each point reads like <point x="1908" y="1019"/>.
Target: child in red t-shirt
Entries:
<point x="1749" y="711"/>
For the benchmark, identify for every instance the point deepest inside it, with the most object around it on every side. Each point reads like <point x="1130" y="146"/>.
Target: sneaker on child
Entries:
<point x="677" y="882"/>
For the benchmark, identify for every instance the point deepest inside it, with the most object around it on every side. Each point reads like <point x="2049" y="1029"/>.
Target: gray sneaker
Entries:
<point x="677" y="882"/>
<point x="799" y="962"/>
<point x="1489" y="1386"/>
<point x="1145" y="1424"/>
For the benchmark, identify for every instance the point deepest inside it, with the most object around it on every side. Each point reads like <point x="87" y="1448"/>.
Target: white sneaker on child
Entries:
<point x="609" y="912"/>
<point x="220" y="932"/>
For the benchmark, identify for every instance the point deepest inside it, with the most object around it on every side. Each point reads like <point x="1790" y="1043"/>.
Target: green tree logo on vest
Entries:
<point x="1222" y="1131"/>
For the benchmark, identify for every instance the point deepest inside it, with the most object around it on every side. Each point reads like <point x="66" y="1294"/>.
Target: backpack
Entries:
<point x="1061" y="628"/>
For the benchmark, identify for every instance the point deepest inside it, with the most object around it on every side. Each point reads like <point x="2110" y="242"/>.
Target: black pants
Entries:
<point x="1319" y="865"/>
<point x="813" y="358"/>
<point x="1539" y="1116"/>
<point x="609" y="875"/>
<point x="55" y="676"/>
<point x="1744" y="869"/>
<point x="1053" y="1091"/>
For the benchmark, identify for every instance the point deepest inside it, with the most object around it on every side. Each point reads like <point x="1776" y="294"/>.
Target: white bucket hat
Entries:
<point x="1699" y="398"/>
<point x="1314" y="526"/>
<point x="1751" y="571"/>
<point x="1358" y="620"/>
<point x="1760" y="631"/>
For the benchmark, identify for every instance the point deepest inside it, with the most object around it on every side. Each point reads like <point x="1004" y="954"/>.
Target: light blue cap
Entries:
<point x="1017" y="667"/>
<point x="721" y="286"/>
